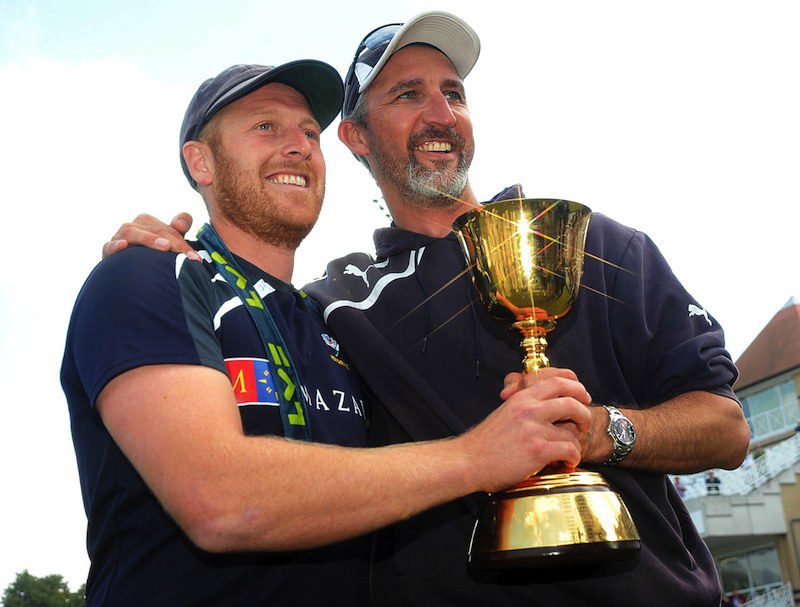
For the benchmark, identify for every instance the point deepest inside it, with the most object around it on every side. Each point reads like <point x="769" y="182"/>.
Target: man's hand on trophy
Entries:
<point x="537" y="425"/>
<point x="514" y="382"/>
<point x="150" y="232"/>
<point x="596" y="446"/>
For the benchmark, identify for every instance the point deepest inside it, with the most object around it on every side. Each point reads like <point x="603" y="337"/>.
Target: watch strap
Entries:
<point x="621" y="450"/>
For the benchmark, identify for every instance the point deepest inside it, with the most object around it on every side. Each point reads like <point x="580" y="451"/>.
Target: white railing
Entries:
<point x="774" y="421"/>
<point x="774" y="595"/>
<point x="750" y="475"/>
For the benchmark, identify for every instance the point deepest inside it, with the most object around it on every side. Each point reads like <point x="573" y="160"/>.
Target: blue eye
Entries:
<point x="264" y="126"/>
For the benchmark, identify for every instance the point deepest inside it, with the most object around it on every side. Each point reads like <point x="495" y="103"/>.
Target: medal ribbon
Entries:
<point x="294" y="414"/>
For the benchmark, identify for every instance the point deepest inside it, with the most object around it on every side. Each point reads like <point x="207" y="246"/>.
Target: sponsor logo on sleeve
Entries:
<point x="251" y="381"/>
<point x="698" y="311"/>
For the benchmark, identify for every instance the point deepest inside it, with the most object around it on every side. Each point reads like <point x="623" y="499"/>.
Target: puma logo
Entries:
<point x="354" y="271"/>
<point x="697" y="311"/>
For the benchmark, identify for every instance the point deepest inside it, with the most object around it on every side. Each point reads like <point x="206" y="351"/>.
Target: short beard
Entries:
<point x="438" y="188"/>
<point x="429" y="188"/>
<point x="249" y="208"/>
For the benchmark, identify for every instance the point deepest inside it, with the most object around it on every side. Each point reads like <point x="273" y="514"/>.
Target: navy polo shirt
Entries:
<point x="144" y="307"/>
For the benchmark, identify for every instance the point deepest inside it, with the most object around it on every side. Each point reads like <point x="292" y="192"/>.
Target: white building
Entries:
<point x="751" y="522"/>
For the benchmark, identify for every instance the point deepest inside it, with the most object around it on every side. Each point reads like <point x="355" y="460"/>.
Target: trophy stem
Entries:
<point x="534" y="342"/>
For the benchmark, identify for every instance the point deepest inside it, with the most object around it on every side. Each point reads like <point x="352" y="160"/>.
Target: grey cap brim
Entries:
<point x="451" y="35"/>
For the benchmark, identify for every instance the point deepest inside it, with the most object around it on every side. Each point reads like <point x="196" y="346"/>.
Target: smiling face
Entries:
<point x="418" y="130"/>
<point x="267" y="173"/>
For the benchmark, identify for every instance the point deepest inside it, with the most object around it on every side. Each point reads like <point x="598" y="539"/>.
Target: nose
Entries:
<point x="296" y="143"/>
<point x="439" y="111"/>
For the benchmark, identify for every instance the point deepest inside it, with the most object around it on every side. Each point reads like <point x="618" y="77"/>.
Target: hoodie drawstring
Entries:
<point x="475" y="332"/>
<point x="424" y="294"/>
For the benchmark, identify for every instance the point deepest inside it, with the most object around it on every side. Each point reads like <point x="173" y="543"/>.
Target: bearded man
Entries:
<point x="649" y="364"/>
<point x="218" y="424"/>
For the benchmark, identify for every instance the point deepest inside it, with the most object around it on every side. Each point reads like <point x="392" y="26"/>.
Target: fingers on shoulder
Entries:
<point x="114" y="246"/>
<point x="182" y="222"/>
<point x="150" y="232"/>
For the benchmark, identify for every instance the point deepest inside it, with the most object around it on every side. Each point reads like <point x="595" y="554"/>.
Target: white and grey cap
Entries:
<point x="444" y="31"/>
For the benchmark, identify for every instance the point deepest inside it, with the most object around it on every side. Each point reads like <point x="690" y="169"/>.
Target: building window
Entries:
<point x="750" y="573"/>
<point x="765" y="400"/>
<point x="771" y="410"/>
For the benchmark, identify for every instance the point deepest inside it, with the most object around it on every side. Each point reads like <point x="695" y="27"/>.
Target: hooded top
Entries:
<point x="434" y="361"/>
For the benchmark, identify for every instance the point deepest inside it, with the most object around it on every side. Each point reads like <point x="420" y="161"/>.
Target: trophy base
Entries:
<point x="552" y="520"/>
<point x="553" y="557"/>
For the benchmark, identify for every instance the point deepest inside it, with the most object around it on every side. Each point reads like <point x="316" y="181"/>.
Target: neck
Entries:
<point x="277" y="261"/>
<point x="436" y="222"/>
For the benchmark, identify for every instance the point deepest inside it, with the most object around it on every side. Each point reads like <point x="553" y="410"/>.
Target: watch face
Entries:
<point x="623" y="430"/>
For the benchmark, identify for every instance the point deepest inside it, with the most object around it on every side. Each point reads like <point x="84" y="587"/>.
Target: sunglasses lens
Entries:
<point x="367" y="55"/>
<point x="379" y="36"/>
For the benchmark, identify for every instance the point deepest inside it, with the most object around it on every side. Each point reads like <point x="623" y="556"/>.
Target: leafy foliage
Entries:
<point x="50" y="591"/>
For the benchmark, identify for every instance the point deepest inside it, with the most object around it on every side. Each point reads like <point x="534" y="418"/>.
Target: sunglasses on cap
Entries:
<point x="367" y="54"/>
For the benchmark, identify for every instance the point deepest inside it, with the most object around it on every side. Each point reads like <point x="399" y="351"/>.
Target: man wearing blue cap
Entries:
<point x="659" y="376"/>
<point x="215" y="418"/>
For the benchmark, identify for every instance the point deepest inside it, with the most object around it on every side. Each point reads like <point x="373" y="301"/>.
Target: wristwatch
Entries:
<point x="622" y="434"/>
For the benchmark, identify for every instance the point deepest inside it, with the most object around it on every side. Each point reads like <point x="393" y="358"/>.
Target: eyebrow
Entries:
<point x="405" y="84"/>
<point x="455" y="84"/>
<point x="311" y="121"/>
<point x="277" y="113"/>
<point x="412" y="82"/>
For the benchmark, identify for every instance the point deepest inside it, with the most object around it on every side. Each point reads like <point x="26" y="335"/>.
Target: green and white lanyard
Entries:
<point x="293" y="408"/>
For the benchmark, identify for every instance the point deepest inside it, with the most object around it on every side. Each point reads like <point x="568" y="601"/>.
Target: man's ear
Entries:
<point x="352" y="135"/>
<point x="200" y="161"/>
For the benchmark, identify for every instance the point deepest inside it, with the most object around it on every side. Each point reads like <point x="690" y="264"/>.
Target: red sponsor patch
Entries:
<point x="251" y="381"/>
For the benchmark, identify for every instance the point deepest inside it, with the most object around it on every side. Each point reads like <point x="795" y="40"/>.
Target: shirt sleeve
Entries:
<point x="142" y="307"/>
<point x="671" y="342"/>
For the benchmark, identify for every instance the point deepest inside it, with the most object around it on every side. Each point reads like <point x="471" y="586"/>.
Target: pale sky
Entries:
<point x="677" y="118"/>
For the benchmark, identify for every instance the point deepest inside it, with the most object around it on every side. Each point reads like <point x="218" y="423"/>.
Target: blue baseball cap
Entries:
<point x="318" y="82"/>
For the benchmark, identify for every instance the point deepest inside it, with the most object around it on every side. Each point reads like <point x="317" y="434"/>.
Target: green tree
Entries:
<point x="50" y="591"/>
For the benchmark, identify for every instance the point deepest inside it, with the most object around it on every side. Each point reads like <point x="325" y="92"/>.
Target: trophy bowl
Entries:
<point x="526" y="256"/>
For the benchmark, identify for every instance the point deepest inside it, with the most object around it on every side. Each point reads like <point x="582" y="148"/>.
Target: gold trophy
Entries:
<point x="527" y="260"/>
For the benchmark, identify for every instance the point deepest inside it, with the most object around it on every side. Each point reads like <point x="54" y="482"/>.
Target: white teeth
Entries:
<point x="435" y="146"/>
<point x="288" y="179"/>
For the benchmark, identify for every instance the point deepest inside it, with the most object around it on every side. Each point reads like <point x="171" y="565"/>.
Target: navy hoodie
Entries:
<point x="434" y="361"/>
